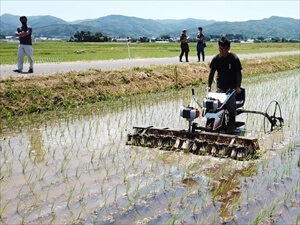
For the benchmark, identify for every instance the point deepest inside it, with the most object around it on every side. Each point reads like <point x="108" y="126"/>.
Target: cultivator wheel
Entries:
<point x="273" y="119"/>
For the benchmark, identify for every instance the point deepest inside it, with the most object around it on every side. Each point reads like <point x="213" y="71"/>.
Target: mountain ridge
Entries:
<point x="129" y="26"/>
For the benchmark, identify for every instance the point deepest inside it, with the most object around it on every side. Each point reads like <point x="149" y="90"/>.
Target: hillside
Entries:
<point x="124" y="26"/>
<point x="271" y="27"/>
<point x="9" y="23"/>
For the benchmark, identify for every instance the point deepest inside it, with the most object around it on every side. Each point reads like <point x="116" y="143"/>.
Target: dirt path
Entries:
<point x="48" y="68"/>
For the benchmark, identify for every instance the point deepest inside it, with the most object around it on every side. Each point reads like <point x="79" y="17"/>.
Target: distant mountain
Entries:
<point x="9" y="23"/>
<point x="60" y="30"/>
<point x="124" y="26"/>
<point x="117" y="25"/>
<point x="175" y="26"/>
<point x="271" y="27"/>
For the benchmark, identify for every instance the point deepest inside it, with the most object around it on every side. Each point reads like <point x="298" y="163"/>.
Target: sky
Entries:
<point x="226" y="10"/>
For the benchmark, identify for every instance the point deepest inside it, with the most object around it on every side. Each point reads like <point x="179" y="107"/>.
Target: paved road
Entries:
<point x="48" y="68"/>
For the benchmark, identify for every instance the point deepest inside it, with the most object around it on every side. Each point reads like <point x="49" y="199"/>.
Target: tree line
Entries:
<point x="87" y="36"/>
<point x="83" y="36"/>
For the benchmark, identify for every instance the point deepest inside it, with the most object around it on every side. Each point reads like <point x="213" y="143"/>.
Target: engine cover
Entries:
<point x="189" y="113"/>
<point x="211" y="104"/>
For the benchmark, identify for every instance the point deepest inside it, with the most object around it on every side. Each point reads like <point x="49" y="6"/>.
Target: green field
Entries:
<point x="50" y="52"/>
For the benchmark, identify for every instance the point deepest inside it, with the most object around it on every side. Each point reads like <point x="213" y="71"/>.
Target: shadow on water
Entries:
<point x="76" y="169"/>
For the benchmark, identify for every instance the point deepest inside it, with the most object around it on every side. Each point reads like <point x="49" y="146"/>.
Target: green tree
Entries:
<point x="165" y="37"/>
<point x="87" y="36"/>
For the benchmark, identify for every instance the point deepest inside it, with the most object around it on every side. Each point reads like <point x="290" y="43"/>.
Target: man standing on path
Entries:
<point x="200" y="44"/>
<point x="229" y="68"/>
<point x="184" y="39"/>
<point x="25" y="48"/>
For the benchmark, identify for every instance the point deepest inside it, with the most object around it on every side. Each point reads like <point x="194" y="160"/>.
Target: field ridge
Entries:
<point x="21" y="95"/>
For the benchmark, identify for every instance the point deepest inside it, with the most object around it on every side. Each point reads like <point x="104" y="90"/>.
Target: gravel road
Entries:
<point x="48" y="68"/>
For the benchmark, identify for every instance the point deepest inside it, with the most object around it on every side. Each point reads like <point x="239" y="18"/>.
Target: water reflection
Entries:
<point x="36" y="144"/>
<point x="226" y="187"/>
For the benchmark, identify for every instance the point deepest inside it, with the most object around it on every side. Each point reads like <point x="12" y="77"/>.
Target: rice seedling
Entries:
<point x="3" y="208"/>
<point x="217" y="190"/>
<point x="298" y="219"/>
<point x="18" y="205"/>
<point x="181" y="202"/>
<point x="128" y="186"/>
<point x="107" y="170"/>
<point x="266" y="213"/>
<point x="24" y="166"/>
<point x="194" y="210"/>
<point x="93" y="156"/>
<point x="70" y="196"/>
<point x="63" y="166"/>
<point x="236" y="204"/>
<point x="170" y="203"/>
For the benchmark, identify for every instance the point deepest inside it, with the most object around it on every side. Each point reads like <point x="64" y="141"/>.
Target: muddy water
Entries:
<point x="78" y="170"/>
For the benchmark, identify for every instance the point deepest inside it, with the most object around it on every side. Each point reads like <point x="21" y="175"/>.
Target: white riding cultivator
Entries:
<point x="212" y="138"/>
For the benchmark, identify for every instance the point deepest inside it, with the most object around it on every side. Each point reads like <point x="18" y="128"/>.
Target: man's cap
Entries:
<point x="184" y="30"/>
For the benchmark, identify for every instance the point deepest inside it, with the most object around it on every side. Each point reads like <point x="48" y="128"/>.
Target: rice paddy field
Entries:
<point x="75" y="168"/>
<point x="59" y="51"/>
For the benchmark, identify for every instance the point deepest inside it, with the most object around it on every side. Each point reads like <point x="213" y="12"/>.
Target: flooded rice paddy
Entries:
<point x="78" y="170"/>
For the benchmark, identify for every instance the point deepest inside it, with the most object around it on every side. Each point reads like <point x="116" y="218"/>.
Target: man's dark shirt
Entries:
<point x="184" y="45"/>
<point x="25" y="40"/>
<point x="200" y="36"/>
<point x="227" y="68"/>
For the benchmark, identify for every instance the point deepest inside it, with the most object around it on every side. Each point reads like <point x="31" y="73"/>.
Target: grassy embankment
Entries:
<point x="35" y="94"/>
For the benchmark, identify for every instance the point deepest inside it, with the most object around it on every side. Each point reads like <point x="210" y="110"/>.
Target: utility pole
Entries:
<point x="128" y="45"/>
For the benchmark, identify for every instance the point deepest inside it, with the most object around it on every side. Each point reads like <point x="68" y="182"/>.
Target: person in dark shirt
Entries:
<point x="229" y="68"/>
<point x="184" y="39"/>
<point x="200" y="44"/>
<point x="25" y="47"/>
